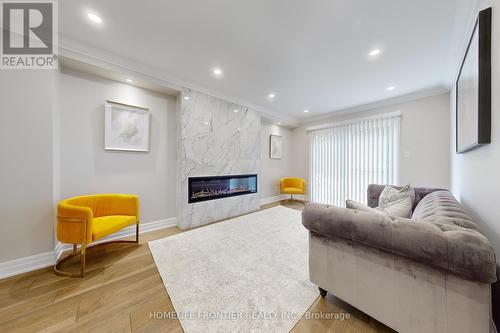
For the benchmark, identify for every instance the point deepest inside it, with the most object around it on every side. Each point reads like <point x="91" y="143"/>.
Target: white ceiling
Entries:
<point x="313" y="54"/>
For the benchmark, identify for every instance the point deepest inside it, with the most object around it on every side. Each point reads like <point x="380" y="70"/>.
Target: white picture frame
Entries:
<point x="126" y="127"/>
<point x="275" y="146"/>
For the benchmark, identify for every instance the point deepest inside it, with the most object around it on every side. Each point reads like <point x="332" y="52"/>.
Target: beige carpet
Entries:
<point x="246" y="274"/>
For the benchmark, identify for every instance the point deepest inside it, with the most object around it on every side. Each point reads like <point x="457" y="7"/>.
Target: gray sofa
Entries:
<point x="430" y="273"/>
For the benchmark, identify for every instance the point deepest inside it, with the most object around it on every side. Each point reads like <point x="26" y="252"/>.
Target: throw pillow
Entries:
<point x="390" y="195"/>
<point x="351" y="204"/>
<point x="399" y="208"/>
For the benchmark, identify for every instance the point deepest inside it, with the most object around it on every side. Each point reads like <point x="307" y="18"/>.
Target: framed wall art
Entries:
<point x="275" y="146"/>
<point x="126" y="127"/>
<point x="473" y="89"/>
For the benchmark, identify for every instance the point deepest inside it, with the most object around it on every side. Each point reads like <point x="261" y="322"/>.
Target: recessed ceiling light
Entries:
<point x="217" y="72"/>
<point x="186" y="97"/>
<point x="94" y="18"/>
<point x="306" y="111"/>
<point x="391" y="88"/>
<point x="279" y="123"/>
<point x="206" y="123"/>
<point x="236" y="110"/>
<point x="129" y="80"/>
<point x="374" y="52"/>
<point x="271" y="95"/>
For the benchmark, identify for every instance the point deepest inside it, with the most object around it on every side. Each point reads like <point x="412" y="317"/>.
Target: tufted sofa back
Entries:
<point x="442" y="208"/>
<point x="374" y="191"/>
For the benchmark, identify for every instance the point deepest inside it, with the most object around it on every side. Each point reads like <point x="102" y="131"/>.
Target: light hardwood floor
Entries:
<point x="122" y="288"/>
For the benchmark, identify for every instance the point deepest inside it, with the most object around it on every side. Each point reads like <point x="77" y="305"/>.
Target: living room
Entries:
<point x="264" y="166"/>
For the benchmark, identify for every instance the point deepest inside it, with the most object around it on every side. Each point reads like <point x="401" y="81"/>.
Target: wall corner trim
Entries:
<point x="42" y="260"/>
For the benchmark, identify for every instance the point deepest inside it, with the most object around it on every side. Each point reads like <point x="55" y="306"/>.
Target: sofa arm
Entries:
<point x="462" y="251"/>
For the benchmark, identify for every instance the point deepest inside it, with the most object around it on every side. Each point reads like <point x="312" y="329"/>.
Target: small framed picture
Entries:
<point x="275" y="146"/>
<point x="126" y="127"/>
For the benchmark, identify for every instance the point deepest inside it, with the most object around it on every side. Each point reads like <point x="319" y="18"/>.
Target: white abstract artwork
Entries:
<point x="275" y="147"/>
<point x="468" y="98"/>
<point x="126" y="127"/>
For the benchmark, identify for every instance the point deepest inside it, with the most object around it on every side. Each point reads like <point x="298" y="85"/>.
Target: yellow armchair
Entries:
<point x="292" y="186"/>
<point x="86" y="219"/>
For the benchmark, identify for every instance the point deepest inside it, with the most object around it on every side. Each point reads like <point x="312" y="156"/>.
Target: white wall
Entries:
<point x="85" y="167"/>
<point x="475" y="178"/>
<point x="272" y="170"/>
<point x="425" y="140"/>
<point x="26" y="193"/>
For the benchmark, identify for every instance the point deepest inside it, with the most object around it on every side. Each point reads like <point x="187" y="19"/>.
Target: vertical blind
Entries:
<point x="346" y="157"/>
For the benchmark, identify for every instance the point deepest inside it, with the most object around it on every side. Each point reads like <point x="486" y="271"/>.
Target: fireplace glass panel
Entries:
<point x="217" y="187"/>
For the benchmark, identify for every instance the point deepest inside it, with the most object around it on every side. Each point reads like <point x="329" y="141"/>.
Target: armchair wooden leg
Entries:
<point x="82" y="260"/>
<point x="74" y="248"/>
<point x="137" y="232"/>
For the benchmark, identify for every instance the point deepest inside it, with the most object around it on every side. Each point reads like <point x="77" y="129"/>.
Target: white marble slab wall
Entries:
<point x="216" y="138"/>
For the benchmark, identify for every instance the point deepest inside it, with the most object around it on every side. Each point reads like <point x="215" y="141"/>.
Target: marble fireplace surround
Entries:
<point x="216" y="137"/>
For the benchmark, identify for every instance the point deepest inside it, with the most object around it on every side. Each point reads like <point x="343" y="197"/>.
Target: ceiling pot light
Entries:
<point x="94" y="18"/>
<point x="271" y="95"/>
<point x="391" y="88"/>
<point x="217" y="72"/>
<point x="186" y="98"/>
<point x="236" y="110"/>
<point x="306" y="111"/>
<point x="129" y="80"/>
<point x="374" y="52"/>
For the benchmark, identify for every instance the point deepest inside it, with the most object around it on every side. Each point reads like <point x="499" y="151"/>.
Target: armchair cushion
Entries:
<point x="292" y="190"/>
<point x="107" y="225"/>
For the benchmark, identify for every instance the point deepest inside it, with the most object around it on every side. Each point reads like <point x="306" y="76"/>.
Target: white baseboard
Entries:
<point x="281" y="197"/>
<point x="37" y="261"/>
<point x="26" y="264"/>
<point x="269" y="200"/>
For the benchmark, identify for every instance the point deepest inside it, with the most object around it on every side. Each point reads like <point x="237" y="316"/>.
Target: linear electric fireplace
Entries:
<point x="217" y="187"/>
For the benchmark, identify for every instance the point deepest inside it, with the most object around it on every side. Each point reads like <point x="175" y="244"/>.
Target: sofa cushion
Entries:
<point x="462" y="251"/>
<point x="351" y="204"/>
<point x="400" y="208"/>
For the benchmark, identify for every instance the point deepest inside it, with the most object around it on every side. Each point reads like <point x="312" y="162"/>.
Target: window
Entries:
<point x="346" y="157"/>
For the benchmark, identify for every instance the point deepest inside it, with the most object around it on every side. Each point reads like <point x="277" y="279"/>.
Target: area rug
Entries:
<point x="246" y="274"/>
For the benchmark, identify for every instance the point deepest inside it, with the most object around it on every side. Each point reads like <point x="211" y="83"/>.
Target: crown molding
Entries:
<point x="78" y="52"/>
<point x="378" y="104"/>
